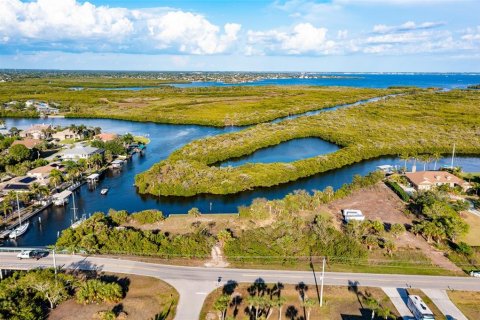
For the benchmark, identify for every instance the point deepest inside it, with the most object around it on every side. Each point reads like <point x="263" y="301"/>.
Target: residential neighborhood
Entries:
<point x="42" y="161"/>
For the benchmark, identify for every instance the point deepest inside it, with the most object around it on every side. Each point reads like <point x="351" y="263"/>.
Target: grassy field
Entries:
<point x="339" y="302"/>
<point x="425" y="122"/>
<point x="404" y="261"/>
<point x="467" y="302"/>
<point x="146" y="298"/>
<point x="213" y="106"/>
<point x="473" y="236"/>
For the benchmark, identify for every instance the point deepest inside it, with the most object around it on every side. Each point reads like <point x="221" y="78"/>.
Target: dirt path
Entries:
<point x="217" y="260"/>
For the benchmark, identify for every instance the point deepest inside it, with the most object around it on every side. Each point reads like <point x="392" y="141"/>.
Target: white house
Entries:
<point x="38" y="131"/>
<point x="426" y="180"/>
<point x="80" y="152"/>
<point x="67" y="134"/>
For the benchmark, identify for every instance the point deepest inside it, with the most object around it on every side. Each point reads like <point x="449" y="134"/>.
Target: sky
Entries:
<point x="248" y="35"/>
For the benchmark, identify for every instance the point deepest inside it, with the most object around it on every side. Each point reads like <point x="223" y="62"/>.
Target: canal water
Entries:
<point x="164" y="140"/>
<point x="362" y="80"/>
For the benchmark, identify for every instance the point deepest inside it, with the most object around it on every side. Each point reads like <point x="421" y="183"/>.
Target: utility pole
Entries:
<point x="54" y="264"/>
<point x="323" y="277"/>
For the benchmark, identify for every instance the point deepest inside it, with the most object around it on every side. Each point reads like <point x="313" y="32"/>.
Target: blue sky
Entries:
<point x="277" y="35"/>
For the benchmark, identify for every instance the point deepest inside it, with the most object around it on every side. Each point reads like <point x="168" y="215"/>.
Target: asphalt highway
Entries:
<point x="195" y="283"/>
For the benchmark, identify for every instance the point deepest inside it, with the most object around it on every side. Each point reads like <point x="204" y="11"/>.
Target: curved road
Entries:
<point x="195" y="283"/>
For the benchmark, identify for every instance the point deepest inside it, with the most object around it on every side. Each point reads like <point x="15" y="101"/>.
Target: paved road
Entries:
<point x="194" y="283"/>
<point x="444" y="304"/>
<point x="399" y="297"/>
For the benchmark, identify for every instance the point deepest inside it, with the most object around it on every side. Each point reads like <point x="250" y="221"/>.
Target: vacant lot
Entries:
<point x="473" y="235"/>
<point x="339" y="302"/>
<point x="467" y="302"/>
<point x="381" y="203"/>
<point x="146" y="298"/>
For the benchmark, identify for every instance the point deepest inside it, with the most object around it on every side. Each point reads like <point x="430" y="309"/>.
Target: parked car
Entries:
<point x="32" y="254"/>
<point x="475" y="273"/>
<point x="25" y="255"/>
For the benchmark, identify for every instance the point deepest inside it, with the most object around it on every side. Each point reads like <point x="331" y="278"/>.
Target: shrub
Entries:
<point x="194" y="212"/>
<point x="464" y="249"/>
<point x="398" y="190"/>
<point x="148" y="216"/>
<point x="97" y="291"/>
<point x="119" y="217"/>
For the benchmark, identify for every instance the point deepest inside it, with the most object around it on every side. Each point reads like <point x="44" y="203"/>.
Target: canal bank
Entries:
<point x="164" y="140"/>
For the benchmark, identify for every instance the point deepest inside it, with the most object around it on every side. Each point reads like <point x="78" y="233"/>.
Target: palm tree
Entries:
<point x="384" y="313"/>
<point x="414" y="157"/>
<point x="370" y="241"/>
<point x="56" y="177"/>
<point x="6" y="207"/>
<point x="221" y="305"/>
<point x="309" y="304"/>
<point x="14" y="131"/>
<point x="390" y="246"/>
<point x="436" y="156"/>
<point x="39" y="190"/>
<point x="278" y="303"/>
<point x="329" y="192"/>
<point x="405" y="157"/>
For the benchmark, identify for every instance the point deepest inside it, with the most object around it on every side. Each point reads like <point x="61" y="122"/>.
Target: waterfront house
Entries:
<point x="67" y="134"/>
<point x="29" y="143"/>
<point x="38" y="131"/>
<point x="106" y="136"/>
<point x="43" y="173"/>
<point x="427" y="180"/>
<point x="41" y="107"/>
<point x="80" y="151"/>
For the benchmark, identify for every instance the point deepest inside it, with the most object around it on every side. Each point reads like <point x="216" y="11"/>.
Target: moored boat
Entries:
<point x="104" y="191"/>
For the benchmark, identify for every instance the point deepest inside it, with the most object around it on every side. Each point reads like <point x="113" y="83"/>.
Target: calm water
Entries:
<point x="288" y="151"/>
<point x="363" y="80"/>
<point x="167" y="138"/>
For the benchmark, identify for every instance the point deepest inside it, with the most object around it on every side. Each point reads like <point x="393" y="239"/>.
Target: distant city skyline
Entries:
<point x="215" y="35"/>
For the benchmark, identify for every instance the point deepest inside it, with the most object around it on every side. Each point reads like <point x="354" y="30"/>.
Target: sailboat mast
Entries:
<point x="18" y="210"/>
<point x="74" y="208"/>
<point x="453" y="156"/>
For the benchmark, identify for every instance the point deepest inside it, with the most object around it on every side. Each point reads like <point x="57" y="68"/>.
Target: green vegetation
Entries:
<point x="425" y="122"/>
<point x="260" y="300"/>
<point x="147" y="216"/>
<point x="32" y="294"/>
<point x="97" y="291"/>
<point x="101" y="234"/>
<point x="398" y="190"/>
<point x="218" y="106"/>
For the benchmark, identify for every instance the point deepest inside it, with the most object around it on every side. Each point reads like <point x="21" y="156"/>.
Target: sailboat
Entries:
<point x="76" y="222"/>
<point x="22" y="228"/>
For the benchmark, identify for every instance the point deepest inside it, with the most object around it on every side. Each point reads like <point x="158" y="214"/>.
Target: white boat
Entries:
<point x="17" y="232"/>
<point x="104" y="191"/>
<point x="22" y="228"/>
<point x="76" y="222"/>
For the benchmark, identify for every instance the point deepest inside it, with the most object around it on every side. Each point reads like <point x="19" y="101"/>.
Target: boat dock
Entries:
<point x="13" y="222"/>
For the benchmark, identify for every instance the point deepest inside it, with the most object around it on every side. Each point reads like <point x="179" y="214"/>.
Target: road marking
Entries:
<point x="275" y="276"/>
<point x="201" y="293"/>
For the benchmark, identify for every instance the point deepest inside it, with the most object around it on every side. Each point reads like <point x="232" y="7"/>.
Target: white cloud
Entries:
<point x="71" y="25"/>
<point x="407" y="26"/>
<point x="65" y="19"/>
<point x="472" y="34"/>
<point x="191" y="33"/>
<point x="303" y="38"/>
